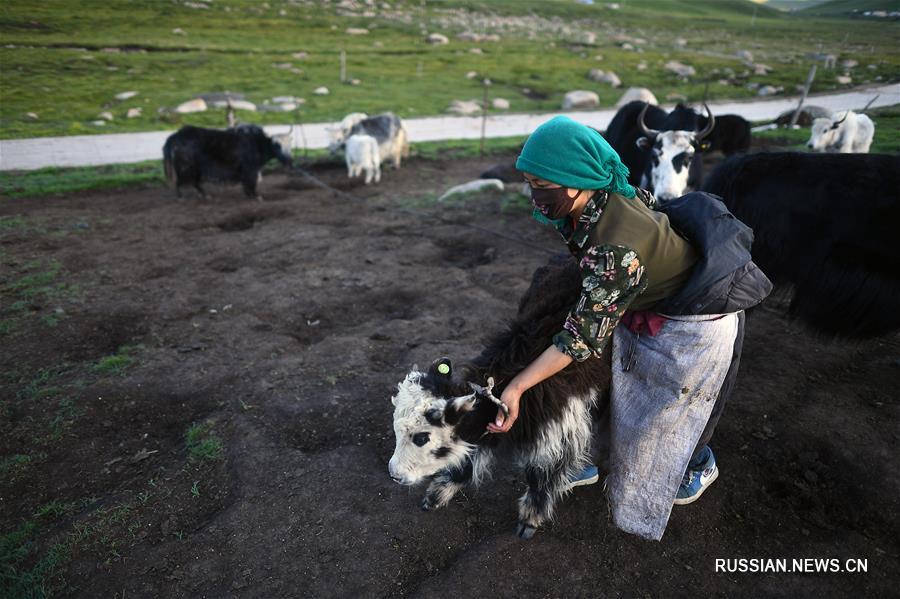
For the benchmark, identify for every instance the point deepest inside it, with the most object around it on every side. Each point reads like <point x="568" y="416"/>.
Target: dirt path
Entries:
<point x="282" y="328"/>
<point x="120" y="148"/>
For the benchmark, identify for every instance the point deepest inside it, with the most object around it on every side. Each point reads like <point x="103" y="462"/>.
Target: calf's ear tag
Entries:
<point x="443" y="368"/>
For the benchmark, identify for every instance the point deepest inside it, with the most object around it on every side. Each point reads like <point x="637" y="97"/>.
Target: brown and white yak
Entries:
<point x="440" y="416"/>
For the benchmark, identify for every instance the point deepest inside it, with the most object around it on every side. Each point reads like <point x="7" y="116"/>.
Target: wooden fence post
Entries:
<point x="809" y="80"/>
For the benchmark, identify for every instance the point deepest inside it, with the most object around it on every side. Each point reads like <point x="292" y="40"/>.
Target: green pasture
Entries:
<point x="65" y="61"/>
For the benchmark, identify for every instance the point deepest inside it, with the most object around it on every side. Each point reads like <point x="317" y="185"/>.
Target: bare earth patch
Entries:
<point x="200" y="394"/>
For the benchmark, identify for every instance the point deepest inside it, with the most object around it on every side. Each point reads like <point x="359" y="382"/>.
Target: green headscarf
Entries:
<point x="575" y="156"/>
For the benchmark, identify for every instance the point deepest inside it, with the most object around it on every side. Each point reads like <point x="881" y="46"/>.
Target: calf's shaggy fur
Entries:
<point x="440" y="416"/>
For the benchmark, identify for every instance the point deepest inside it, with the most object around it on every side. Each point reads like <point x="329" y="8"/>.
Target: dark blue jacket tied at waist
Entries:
<point x="725" y="279"/>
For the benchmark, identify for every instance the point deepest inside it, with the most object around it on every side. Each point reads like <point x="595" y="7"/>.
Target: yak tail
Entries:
<point x="169" y="165"/>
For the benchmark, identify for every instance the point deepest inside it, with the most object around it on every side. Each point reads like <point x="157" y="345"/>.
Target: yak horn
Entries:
<point x="846" y="114"/>
<point x="651" y="133"/>
<point x="710" y="124"/>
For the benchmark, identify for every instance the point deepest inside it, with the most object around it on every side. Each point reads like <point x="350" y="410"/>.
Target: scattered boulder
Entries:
<point x="354" y="82"/>
<point x="627" y="46"/>
<point x="321" y="91"/>
<point x="106" y="116"/>
<point x="807" y="115"/>
<point x="680" y="69"/>
<point x="762" y="69"/>
<point x="32" y="115"/>
<point x="844" y="79"/>
<point x="356" y="31"/>
<point x="178" y="31"/>
<point x="464" y="107"/>
<point x="473" y="187"/>
<point x="98" y="123"/>
<point x="744" y="55"/>
<point x="475" y="51"/>
<point x="471" y="75"/>
<point x="580" y="99"/>
<point x="680" y="42"/>
<point x="769" y="90"/>
<point x="299" y="55"/>
<point x="195" y="105"/>
<point x="601" y="76"/>
<point x="588" y="37"/>
<point x="500" y="104"/>
<point x="633" y="94"/>
<point x="280" y="107"/>
<point x="133" y="113"/>
<point x="872" y="67"/>
<point x="220" y="98"/>
<point x="284" y="99"/>
<point x="125" y="95"/>
<point x="641" y="66"/>
<point x="849" y="63"/>
<point x="437" y="39"/>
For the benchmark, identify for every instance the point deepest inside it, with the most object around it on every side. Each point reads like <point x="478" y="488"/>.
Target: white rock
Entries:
<point x="641" y="66"/>
<point x="500" y="103"/>
<point x="768" y="90"/>
<point x="281" y="107"/>
<point x="464" y="107"/>
<point x="178" y="31"/>
<point x="283" y="99"/>
<point x="872" y="67"/>
<point x="299" y="55"/>
<point x="627" y="46"/>
<point x="356" y="31"/>
<point x="243" y="105"/>
<point x="195" y="105"/>
<point x="106" y="116"/>
<point x="471" y="75"/>
<point x="354" y="82"/>
<point x="321" y="91"/>
<point x="844" y="79"/>
<point x="468" y="36"/>
<point x="680" y="42"/>
<point x="32" y="115"/>
<point x="601" y="76"/>
<point x="133" y="113"/>
<point x="849" y="63"/>
<point x="762" y="69"/>
<point x="744" y="55"/>
<point x="125" y="95"/>
<point x="475" y="51"/>
<point x="588" y="37"/>
<point x="98" y="123"/>
<point x="473" y="187"/>
<point x="580" y="99"/>
<point x="680" y="69"/>
<point x="598" y="57"/>
<point x="633" y="94"/>
<point x="437" y="38"/>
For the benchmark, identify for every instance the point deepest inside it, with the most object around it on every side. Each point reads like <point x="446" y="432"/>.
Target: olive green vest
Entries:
<point x="666" y="256"/>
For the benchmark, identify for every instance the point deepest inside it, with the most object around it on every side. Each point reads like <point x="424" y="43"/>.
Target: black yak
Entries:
<point x="193" y="156"/>
<point x="731" y="134"/>
<point x="440" y="415"/>
<point x="825" y="224"/>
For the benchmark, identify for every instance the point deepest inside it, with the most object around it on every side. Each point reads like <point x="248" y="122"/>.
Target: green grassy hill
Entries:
<point x="848" y="7"/>
<point x="64" y="62"/>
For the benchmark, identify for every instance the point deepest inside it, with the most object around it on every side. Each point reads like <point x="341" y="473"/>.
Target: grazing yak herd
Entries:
<point x="824" y="232"/>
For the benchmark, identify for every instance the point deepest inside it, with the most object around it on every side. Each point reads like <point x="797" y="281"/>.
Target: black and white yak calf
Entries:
<point x="825" y="230"/>
<point x="440" y="417"/>
<point x="194" y="155"/>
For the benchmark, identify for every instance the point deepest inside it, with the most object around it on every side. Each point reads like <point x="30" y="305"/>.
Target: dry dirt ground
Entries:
<point x="195" y="403"/>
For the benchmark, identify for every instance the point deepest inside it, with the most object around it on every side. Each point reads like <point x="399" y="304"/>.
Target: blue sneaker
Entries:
<point x="588" y="476"/>
<point x="697" y="478"/>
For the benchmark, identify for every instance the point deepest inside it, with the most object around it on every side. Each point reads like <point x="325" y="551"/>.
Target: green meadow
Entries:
<point x="64" y="61"/>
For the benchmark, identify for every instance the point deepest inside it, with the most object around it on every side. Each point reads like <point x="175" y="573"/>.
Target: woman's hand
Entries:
<point x="510" y="398"/>
<point x="547" y="364"/>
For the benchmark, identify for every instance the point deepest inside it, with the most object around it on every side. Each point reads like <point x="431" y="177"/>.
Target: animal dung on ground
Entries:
<point x="472" y="187"/>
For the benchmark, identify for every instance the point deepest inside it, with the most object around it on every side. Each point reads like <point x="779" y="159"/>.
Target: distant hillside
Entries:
<point x="792" y="4"/>
<point x="846" y="7"/>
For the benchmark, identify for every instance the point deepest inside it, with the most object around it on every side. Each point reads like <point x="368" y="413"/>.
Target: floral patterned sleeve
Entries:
<point x="612" y="276"/>
<point x="646" y="197"/>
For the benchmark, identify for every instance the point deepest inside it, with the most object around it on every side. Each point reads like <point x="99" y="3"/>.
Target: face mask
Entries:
<point x="553" y="203"/>
<point x="558" y="223"/>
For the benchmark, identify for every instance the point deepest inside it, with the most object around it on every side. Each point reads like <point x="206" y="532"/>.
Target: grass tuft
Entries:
<point x="202" y="444"/>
